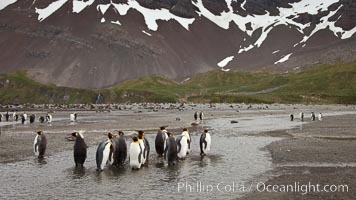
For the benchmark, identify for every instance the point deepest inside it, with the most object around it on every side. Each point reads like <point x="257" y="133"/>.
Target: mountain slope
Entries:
<point x="99" y="43"/>
<point x="333" y="83"/>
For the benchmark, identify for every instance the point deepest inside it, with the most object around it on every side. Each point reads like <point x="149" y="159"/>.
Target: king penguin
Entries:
<point x="40" y="144"/>
<point x="186" y="133"/>
<point x="170" y="152"/>
<point x="73" y="117"/>
<point x="205" y="141"/>
<point x="135" y="154"/>
<point x="182" y="146"/>
<point x="301" y="115"/>
<point x="120" y="152"/>
<point x="49" y="118"/>
<point x="32" y="118"/>
<point x="104" y="152"/>
<point x="145" y="147"/>
<point x="160" y="141"/>
<point x="80" y="149"/>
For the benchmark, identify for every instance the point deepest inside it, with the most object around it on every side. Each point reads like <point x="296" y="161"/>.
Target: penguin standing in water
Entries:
<point x="32" y="118"/>
<point x="145" y="147"/>
<point x="205" y="141"/>
<point x="73" y="117"/>
<point x="201" y="115"/>
<point x="120" y="152"/>
<point x="104" y="152"/>
<point x="196" y="115"/>
<point x="40" y="144"/>
<point x="14" y="116"/>
<point x="1" y="117"/>
<point x="41" y="119"/>
<point x="182" y="146"/>
<point x="186" y="133"/>
<point x="7" y="116"/>
<point x="135" y="154"/>
<point x="312" y="116"/>
<point x="49" y="118"/>
<point x="320" y="117"/>
<point x="170" y="152"/>
<point x="23" y="118"/>
<point x="160" y="141"/>
<point x="291" y="116"/>
<point x="301" y="115"/>
<point x="80" y="149"/>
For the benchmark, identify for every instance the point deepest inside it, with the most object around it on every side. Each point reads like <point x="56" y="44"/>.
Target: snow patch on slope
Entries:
<point x="225" y="61"/>
<point x="49" y="10"/>
<point x="79" y="5"/>
<point x="284" y="59"/>
<point x="5" y="3"/>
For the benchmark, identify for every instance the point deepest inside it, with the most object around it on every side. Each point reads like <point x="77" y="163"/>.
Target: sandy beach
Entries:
<point x="320" y="152"/>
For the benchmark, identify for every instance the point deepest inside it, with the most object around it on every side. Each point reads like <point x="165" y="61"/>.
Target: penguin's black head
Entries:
<point x="75" y="134"/>
<point x="110" y="135"/>
<point x="121" y="133"/>
<point x="39" y="132"/>
<point x="135" y="139"/>
<point x="205" y="131"/>
<point x="162" y="128"/>
<point x="185" y="129"/>
<point x="141" y="134"/>
<point x="170" y="134"/>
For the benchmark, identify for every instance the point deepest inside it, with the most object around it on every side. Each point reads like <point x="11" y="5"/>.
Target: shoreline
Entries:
<point x="319" y="153"/>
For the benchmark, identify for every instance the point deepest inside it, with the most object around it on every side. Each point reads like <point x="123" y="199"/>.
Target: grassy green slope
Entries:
<point x="320" y="84"/>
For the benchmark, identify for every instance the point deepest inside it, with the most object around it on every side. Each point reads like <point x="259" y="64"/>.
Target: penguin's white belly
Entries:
<point x="208" y="142"/>
<point x="71" y="116"/>
<point x="134" y="156"/>
<point x="35" y="147"/>
<point x="184" y="148"/>
<point x="106" y="154"/>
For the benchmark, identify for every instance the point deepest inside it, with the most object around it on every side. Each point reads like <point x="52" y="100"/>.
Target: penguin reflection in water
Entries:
<point x="135" y="154"/>
<point x="205" y="141"/>
<point x="104" y="152"/>
<point x="40" y="144"/>
<point x="170" y="152"/>
<point x="120" y="150"/>
<point x="145" y="147"/>
<point x="80" y="149"/>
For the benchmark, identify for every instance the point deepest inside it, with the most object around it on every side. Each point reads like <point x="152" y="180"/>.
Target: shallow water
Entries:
<point x="234" y="158"/>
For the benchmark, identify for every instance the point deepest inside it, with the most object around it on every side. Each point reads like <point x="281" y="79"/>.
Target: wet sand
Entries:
<point x="319" y="152"/>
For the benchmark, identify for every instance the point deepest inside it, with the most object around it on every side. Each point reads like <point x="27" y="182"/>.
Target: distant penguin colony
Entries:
<point x="80" y="149"/>
<point x="312" y="116"/>
<point x="40" y="144"/>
